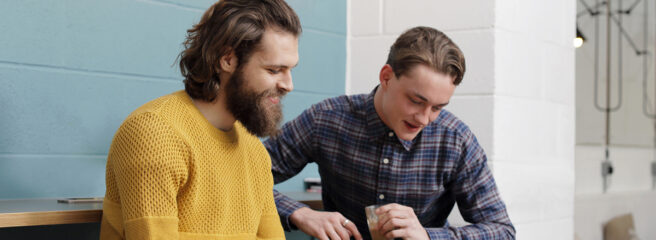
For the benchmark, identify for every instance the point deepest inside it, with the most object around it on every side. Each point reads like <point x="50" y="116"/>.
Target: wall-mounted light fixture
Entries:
<point x="579" y="39"/>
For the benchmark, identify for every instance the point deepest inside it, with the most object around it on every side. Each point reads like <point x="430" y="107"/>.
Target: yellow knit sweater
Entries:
<point x="172" y="175"/>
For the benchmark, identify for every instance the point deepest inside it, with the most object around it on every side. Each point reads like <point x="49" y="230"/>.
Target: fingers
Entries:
<point x="350" y="226"/>
<point x="324" y="225"/>
<point x="398" y="233"/>
<point x="394" y="214"/>
<point x="322" y="236"/>
<point x="388" y="207"/>
<point x="333" y="235"/>
<point x="394" y="224"/>
<point x="334" y="229"/>
<point x="342" y="232"/>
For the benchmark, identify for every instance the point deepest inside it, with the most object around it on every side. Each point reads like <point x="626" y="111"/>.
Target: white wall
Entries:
<point x="517" y="94"/>
<point x="631" y="134"/>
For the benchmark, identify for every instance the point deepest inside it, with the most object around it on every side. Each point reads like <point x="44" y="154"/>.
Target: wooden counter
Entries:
<point x="34" y="212"/>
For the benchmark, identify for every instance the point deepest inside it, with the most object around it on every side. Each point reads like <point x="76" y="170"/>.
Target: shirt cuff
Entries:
<point x="439" y="233"/>
<point x="286" y="206"/>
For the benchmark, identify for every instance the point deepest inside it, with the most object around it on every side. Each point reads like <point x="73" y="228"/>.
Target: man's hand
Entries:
<point x="398" y="221"/>
<point x="324" y="225"/>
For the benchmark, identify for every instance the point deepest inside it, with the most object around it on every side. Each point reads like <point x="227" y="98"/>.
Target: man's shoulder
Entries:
<point x="157" y="113"/>
<point x="157" y="105"/>
<point x="450" y="122"/>
<point x="341" y="104"/>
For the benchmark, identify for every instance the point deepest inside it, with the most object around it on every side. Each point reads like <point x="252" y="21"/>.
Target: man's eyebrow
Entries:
<point x="421" y="97"/>
<point x="426" y="100"/>
<point x="280" y="66"/>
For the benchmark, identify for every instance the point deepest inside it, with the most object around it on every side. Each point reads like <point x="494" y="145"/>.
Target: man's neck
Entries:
<point x="378" y="105"/>
<point x="216" y="112"/>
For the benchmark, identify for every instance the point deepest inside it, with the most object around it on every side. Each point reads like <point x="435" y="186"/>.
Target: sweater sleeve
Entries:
<point x="149" y="163"/>
<point x="270" y="226"/>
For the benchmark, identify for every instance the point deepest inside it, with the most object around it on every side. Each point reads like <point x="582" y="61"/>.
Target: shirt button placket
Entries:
<point x="385" y="161"/>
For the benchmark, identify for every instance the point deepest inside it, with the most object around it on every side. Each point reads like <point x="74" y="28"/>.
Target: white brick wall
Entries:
<point x="517" y="95"/>
<point x="444" y="15"/>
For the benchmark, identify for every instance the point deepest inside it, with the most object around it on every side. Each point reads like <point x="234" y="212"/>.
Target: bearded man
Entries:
<point x="189" y="165"/>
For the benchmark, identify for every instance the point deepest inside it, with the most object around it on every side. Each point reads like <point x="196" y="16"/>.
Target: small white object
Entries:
<point x="391" y="134"/>
<point x="385" y="161"/>
<point x="381" y="196"/>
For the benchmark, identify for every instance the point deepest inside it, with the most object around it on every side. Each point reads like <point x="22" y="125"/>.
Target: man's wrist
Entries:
<point x="297" y="215"/>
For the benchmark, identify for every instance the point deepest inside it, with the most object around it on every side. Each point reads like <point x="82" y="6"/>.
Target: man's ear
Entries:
<point x="228" y="62"/>
<point x="386" y="74"/>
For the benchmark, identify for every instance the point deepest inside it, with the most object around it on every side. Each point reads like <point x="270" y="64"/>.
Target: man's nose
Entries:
<point x="286" y="83"/>
<point x="423" y="117"/>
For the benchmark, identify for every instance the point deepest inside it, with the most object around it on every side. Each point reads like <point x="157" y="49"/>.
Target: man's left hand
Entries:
<point x="398" y="221"/>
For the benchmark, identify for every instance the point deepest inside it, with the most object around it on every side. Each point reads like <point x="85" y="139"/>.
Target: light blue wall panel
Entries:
<point x="133" y="37"/>
<point x="322" y="15"/>
<point x="62" y="112"/>
<point x="50" y="176"/>
<point x="322" y="63"/>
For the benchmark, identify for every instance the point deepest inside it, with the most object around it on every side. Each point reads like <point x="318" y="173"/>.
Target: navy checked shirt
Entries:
<point x="362" y="162"/>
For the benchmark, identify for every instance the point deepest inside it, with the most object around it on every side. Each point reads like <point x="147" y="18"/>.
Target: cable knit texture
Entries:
<point x="172" y="175"/>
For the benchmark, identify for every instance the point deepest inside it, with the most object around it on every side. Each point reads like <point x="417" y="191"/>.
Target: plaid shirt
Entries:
<point x="362" y="162"/>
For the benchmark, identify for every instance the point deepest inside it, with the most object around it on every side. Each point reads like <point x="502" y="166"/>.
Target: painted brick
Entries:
<point x="477" y="112"/>
<point x="55" y="176"/>
<point x="60" y="112"/>
<point x="535" y="192"/>
<point x="518" y="66"/>
<point x="546" y="230"/>
<point x="322" y="63"/>
<point x="527" y="128"/>
<point x="368" y="55"/>
<point x="478" y="48"/>
<point x="365" y="17"/>
<point x="469" y="14"/>
<point x="551" y="21"/>
<point x="558" y="73"/>
<point x="134" y="37"/>
<point x="320" y="15"/>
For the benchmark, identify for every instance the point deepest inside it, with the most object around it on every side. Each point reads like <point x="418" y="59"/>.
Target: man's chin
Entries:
<point x="262" y="129"/>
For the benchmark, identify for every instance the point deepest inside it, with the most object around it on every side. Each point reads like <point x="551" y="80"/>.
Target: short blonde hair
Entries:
<point x="429" y="46"/>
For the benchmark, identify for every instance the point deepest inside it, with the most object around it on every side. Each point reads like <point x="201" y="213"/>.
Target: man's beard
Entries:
<point x="248" y="107"/>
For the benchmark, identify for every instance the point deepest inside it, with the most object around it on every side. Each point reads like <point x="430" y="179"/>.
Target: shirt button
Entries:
<point x="385" y="161"/>
<point x="391" y="134"/>
<point x="381" y="196"/>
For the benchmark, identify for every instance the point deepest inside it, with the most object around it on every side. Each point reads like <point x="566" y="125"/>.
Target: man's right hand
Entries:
<point x="324" y="225"/>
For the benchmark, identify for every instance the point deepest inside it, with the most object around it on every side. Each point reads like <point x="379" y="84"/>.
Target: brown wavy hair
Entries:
<point x="229" y="25"/>
<point x="429" y="46"/>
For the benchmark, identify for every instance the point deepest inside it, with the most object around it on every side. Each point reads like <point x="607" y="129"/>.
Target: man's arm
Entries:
<point x="478" y="199"/>
<point x="290" y="152"/>
<point x="149" y="165"/>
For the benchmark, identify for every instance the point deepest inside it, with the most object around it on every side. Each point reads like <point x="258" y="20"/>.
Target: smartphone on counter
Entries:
<point x="81" y="200"/>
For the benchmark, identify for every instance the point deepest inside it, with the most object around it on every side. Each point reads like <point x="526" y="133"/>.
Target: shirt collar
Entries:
<point x="376" y="128"/>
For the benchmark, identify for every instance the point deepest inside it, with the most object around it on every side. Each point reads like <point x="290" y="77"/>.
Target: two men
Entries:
<point x="189" y="165"/>
<point x="394" y="147"/>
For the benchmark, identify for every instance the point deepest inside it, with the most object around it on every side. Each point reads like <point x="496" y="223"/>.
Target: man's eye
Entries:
<point x="273" y="71"/>
<point x="436" y="109"/>
<point x="415" y="102"/>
